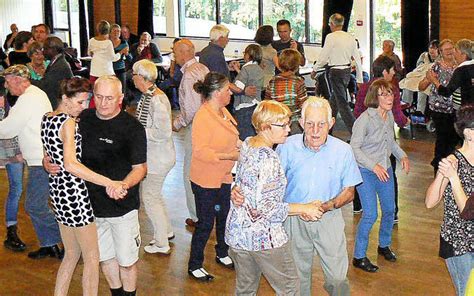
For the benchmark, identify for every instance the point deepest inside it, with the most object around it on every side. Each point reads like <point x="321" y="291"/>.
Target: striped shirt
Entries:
<point x="143" y="107"/>
<point x="289" y="90"/>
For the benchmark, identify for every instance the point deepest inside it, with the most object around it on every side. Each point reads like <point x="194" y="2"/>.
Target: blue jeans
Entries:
<point x="459" y="268"/>
<point x="211" y="203"/>
<point x="368" y="192"/>
<point x="36" y="205"/>
<point x="15" y="187"/>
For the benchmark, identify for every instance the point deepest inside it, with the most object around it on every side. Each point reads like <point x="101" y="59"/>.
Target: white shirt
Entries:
<point x="102" y="52"/>
<point x="24" y="121"/>
<point x="338" y="50"/>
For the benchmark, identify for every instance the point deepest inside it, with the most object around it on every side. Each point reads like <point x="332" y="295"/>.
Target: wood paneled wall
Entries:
<point x="456" y="19"/>
<point x="105" y="10"/>
<point x="129" y="10"/>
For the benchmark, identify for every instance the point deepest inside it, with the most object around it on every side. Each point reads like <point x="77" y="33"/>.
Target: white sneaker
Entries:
<point x="225" y="261"/>
<point x="153" y="249"/>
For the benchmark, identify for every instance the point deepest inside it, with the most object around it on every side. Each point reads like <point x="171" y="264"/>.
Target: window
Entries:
<point x="240" y="17"/>
<point x="292" y="10"/>
<point x="196" y="17"/>
<point x="66" y="21"/>
<point x="387" y="24"/>
<point x="159" y="16"/>
<point x="316" y="9"/>
<point x="243" y="17"/>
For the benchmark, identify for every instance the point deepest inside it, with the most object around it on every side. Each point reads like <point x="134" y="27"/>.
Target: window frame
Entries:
<point x="260" y="21"/>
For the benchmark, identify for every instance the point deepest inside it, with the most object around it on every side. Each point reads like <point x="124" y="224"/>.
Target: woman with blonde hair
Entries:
<point x="254" y="231"/>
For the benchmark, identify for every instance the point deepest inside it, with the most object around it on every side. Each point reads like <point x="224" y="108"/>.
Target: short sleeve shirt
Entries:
<point x="110" y="148"/>
<point x="317" y="175"/>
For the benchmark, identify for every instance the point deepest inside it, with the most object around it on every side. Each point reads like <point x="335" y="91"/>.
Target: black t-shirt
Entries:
<point x="17" y="58"/>
<point x="110" y="148"/>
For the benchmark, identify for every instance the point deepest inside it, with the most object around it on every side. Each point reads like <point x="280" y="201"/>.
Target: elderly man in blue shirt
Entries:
<point x="212" y="56"/>
<point x="319" y="167"/>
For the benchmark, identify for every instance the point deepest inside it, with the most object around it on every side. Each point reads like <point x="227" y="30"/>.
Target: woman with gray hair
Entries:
<point x="154" y="112"/>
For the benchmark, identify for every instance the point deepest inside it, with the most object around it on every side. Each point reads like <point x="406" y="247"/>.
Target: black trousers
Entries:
<point x="211" y="203"/>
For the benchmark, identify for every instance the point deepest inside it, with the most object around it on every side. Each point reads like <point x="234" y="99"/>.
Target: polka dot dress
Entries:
<point x="69" y="195"/>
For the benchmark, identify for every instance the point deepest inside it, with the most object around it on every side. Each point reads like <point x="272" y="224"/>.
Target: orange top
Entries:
<point x="212" y="134"/>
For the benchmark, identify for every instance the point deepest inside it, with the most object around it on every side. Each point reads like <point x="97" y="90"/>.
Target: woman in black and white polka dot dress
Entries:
<point x="62" y="144"/>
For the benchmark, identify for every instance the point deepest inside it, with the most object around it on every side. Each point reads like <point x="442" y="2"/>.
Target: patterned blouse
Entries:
<point x="258" y="223"/>
<point x="457" y="234"/>
<point x="437" y="102"/>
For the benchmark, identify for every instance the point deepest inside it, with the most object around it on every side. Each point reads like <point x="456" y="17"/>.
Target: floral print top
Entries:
<point x="258" y="223"/>
<point x="438" y="103"/>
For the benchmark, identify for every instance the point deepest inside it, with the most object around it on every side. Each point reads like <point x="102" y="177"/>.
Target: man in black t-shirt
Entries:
<point x="114" y="145"/>
<point x="284" y="32"/>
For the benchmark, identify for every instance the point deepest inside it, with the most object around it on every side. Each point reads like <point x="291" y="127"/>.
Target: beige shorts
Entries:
<point x="119" y="238"/>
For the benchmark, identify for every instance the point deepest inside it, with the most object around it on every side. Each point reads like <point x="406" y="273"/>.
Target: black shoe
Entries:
<point x="387" y="254"/>
<point x="225" y="261"/>
<point x="13" y="242"/>
<point x="364" y="264"/>
<point x="200" y="274"/>
<point x="53" y="251"/>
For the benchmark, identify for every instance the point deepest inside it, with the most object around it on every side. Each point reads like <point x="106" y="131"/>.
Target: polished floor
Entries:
<point x="419" y="270"/>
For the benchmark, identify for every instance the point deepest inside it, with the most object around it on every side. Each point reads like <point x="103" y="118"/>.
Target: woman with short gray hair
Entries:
<point x="154" y="112"/>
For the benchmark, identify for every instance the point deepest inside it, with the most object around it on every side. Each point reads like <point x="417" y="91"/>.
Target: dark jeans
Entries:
<point x="356" y="205"/>
<point x="211" y="203"/>
<point x="244" y="122"/>
<point x="446" y="136"/>
<point x="120" y="73"/>
<point x="339" y="79"/>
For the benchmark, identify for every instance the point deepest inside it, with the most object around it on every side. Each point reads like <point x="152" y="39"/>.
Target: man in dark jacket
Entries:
<point x="57" y="70"/>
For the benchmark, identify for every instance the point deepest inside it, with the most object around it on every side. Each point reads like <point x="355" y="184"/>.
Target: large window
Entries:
<point x="243" y="17"/>
<point x="159" y="16"/>
<point x="240" y="17"/>
<point x="66" y="21"/>
<point x="387" y="24"/>
<point x="196" y="17"/>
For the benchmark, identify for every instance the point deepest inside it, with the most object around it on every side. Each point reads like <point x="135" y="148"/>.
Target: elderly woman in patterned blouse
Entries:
<point x="154" y="112"/>
<point x="254" y="230"/>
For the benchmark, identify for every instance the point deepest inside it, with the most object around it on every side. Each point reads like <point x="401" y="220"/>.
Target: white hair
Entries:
<point x="146" y="69"/>
<point x="218" y="31"/>
<point x="316" y="102"/>
<point x="337" y="20"/>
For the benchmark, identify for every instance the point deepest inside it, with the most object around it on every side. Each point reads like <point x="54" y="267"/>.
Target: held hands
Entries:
<point x="116" y="189"/>
<point x="381" y="173"/>
<point x="312" y="211"/>
<point x="431" y="76"/>
<point x="448" y="167"/>
<point x="234" y="66"/>
<point x="124" y="51"/>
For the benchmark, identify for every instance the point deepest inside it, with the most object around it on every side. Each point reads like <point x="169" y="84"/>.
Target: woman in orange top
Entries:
<point x="215" y="142"/>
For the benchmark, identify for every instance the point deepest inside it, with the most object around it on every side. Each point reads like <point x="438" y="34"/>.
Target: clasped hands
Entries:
<point x="448" y="167"/>
<point x="308" y="212"/>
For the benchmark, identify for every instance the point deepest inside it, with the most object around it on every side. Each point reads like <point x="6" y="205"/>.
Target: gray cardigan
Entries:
<point x="250" y="74"/>
<point x="373" y="140"/>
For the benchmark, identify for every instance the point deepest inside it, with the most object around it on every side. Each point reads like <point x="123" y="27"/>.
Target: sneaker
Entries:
<point x="225" y="261"/>
<point x="153" y="249"/>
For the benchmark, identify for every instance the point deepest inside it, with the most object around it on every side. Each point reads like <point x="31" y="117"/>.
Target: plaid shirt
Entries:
<point x="290" y="91"/>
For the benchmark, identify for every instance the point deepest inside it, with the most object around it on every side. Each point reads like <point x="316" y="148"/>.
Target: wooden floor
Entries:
<point x="419" y="270"/>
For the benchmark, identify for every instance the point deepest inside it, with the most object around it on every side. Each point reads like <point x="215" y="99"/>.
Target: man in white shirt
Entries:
<point x="24" y="121"/>
<point x="339" y="49"/>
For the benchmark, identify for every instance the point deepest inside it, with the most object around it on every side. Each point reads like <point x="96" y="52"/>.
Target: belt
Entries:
<point x="343" y="65"/>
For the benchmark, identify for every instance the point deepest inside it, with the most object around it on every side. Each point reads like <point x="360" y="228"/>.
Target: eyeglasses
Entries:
<point x="283" y="125"/>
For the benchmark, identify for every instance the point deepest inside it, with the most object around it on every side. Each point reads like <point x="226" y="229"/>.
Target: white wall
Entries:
<point x="24" y="14"/>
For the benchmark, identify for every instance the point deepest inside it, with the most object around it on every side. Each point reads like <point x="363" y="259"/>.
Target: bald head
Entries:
<point x="183" y="51"/>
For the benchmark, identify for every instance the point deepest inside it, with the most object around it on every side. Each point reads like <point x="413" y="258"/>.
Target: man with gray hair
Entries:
<point x="57" y="70"/>
<point x="339" y="49"/>
<point x="330" y="165"/>
<point x="212" y="56"/>
<point x="24" y="121"/>
<point x="463" y="76"/>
